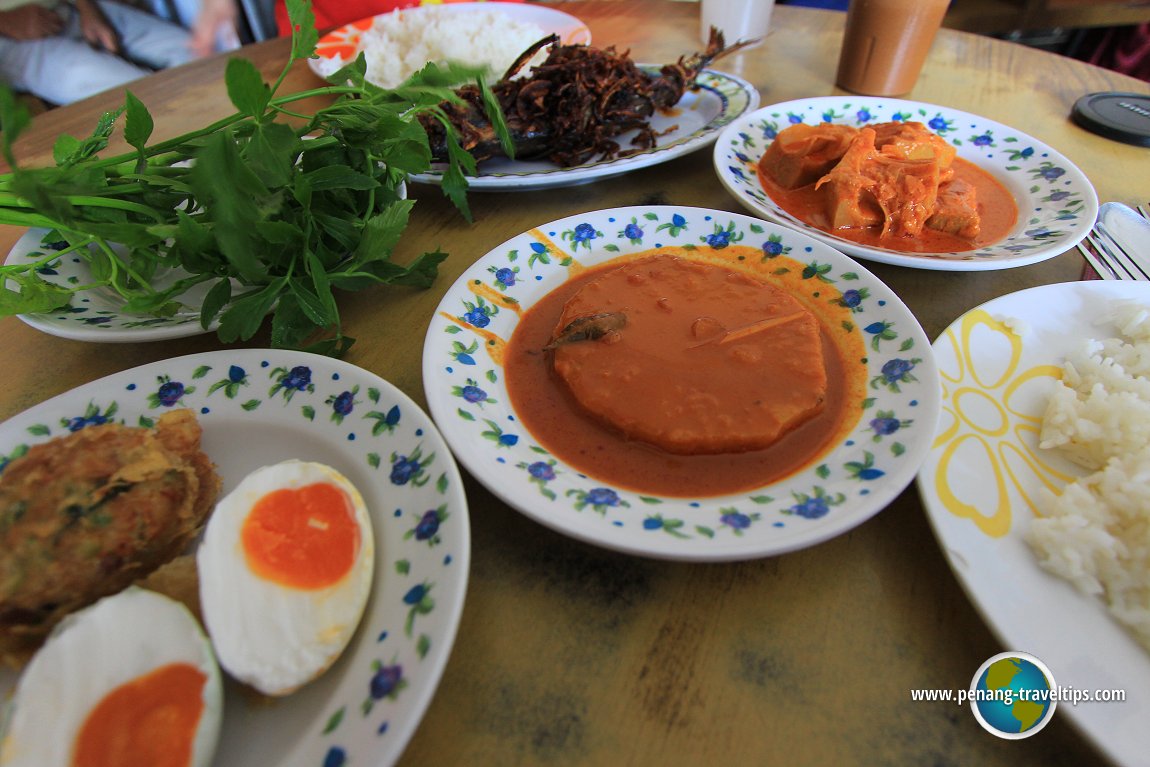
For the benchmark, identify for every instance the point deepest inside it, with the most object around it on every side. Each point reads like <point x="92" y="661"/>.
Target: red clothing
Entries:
<point x="1126" y="50"/>
<point x="330" y="14"/>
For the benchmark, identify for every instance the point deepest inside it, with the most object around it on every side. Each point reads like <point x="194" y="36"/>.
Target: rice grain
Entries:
<point x="1096" y="533"/>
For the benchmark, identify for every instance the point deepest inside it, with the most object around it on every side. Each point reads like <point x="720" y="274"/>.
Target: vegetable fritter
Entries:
<point x="85" y="515"/>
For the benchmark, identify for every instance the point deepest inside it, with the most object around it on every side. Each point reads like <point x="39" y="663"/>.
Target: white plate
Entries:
<point x="263" y="406"/>
<point x="696" y="121"/>
<point x="339" y="47"/>
<point x="978" y="486"/>
<point x="1057" y="204"/>
<point x="844" y="487"/>
<point x="97" y="314"/>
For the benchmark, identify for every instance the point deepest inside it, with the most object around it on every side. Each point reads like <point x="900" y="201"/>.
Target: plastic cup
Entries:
<point x="886" y="43"/>
<point x="737" y="19"/>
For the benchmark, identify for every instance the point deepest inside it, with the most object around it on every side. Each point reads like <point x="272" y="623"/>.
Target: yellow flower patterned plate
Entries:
<point x="998" y="364"/>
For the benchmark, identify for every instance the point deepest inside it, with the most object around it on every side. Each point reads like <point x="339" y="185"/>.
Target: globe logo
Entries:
<point x="1013" y="695"/>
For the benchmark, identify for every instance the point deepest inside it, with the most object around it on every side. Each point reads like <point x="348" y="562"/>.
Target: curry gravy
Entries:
<point x="996" y="208"/>
<point x="547" y="409"/>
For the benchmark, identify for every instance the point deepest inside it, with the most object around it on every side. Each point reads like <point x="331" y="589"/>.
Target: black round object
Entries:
<point x="1119" y="116"/>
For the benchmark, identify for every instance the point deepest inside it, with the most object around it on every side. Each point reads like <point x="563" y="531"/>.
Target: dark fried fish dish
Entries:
<point x="571" y="108"/>
<point x="86" y="515"/>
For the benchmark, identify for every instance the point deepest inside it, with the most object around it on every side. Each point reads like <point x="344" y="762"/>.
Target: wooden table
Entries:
<point x="568" y="654"/>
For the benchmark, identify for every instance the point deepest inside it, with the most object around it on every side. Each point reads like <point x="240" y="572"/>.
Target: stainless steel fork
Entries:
<point x="1104" y="250"/>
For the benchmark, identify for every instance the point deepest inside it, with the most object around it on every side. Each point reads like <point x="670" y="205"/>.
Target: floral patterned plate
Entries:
<point x="263" y="406"/>
<point x="97" y="314"/>
<point x="998" y="364"/>
<point x="854" y="479"/>
<point x="695" y="123"/>
<point x="1057" y="204"/>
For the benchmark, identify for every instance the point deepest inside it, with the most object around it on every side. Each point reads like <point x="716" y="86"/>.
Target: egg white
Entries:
<point x="90" y="654"/>
<point x="269" y="636"/>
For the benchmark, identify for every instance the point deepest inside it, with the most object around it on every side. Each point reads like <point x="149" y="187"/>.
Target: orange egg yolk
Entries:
<point x="304" y="538"/>
<point x="150" y="721"/>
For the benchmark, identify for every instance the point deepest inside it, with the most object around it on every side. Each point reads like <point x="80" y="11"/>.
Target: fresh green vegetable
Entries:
<point x="277" y="211"/>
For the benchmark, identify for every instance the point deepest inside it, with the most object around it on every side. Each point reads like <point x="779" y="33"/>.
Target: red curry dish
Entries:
<point x="896" y="185"/>
<point x="708" y="361"/>
<point x="673" y="374"/>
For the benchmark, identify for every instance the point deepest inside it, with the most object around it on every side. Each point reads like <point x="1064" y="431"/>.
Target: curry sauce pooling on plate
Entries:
<point x="688" y="373"/>
<point x="895" y="185"/>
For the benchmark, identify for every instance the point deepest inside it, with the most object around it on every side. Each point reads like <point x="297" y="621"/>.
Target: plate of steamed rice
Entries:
<point x="395" y="45"/>
<point x="1037" y="486"/>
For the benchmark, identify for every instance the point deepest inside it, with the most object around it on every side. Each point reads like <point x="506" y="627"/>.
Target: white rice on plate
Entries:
<point x="1096" y="533"/>
<point x="401" y="43"/>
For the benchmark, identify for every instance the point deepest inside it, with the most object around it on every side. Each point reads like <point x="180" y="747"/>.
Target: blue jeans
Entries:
<point x="65" y="68"/>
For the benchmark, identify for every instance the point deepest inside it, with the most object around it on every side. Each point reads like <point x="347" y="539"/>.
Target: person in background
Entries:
<point x="63" y="52"/>
<point x="212" y="22"/>
<point x="1123" y="49"/>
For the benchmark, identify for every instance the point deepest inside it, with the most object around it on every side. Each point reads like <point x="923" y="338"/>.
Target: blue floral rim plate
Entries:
<point x="263" y="406"/>
<point x="695" y="124"/>
<point x="97" y="314"/>
<point x="1057" y="204"/>
<point x="853" y="480"/>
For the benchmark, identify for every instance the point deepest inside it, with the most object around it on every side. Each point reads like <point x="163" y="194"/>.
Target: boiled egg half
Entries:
<point x="285" y="566"/>
<point x="130" y="681"/>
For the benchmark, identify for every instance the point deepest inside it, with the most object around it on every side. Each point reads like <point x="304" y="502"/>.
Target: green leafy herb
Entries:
<point x="274" y="210"/>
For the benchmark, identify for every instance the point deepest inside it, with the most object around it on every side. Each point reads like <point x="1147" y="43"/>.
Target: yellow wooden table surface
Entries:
<point x="572" y="655"/>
